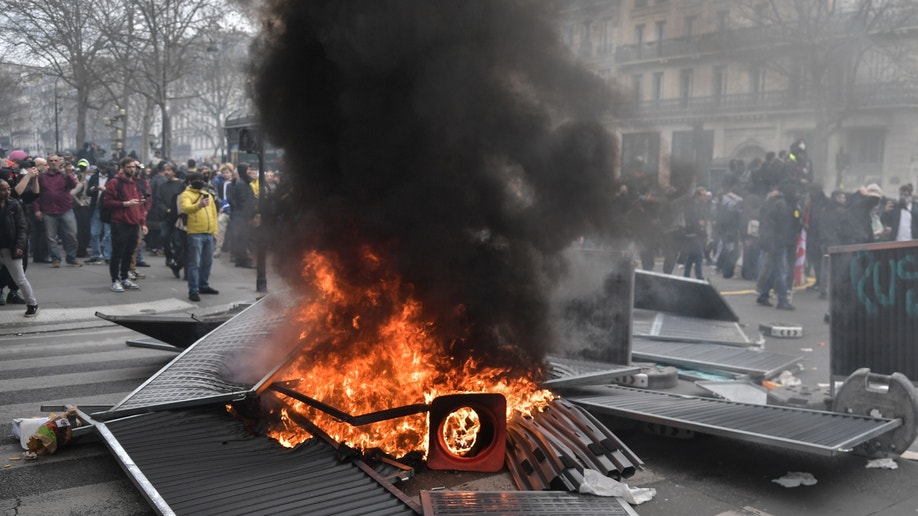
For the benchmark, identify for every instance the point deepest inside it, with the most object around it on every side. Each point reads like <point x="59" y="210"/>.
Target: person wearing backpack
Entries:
<point x="100" y="233"/>
<point x="164" y="198"/>
<point x="128" y="219"/>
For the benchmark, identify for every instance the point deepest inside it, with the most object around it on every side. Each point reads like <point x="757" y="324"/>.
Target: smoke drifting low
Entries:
<point x="456" y="139"/>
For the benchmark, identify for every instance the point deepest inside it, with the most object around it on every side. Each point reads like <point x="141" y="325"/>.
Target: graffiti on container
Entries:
<point x="877" y="283"/>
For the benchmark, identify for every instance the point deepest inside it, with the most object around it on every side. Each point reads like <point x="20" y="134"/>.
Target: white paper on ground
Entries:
<point x="24" y="427"/>
<point x="796" y="478"/>
<point x="596" y="483"/>
<point x="886" y="463"/>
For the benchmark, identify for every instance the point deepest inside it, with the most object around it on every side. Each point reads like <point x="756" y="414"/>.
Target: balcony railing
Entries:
<point x="723" y="41"/>
<point x="864" y="96"/>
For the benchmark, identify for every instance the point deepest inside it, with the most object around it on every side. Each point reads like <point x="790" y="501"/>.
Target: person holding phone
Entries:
<point x="54" y="208"/>
<point x="129" y="220"/>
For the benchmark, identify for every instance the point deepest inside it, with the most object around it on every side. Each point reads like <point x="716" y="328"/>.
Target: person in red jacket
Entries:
<point x="124" y="198"/>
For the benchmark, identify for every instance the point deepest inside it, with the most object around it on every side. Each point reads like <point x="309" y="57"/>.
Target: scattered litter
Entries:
<point x="8" y="466"/>
<point x="909" y="455"/>
<point x="596" y="483"/>
<point x="795" y="479"/>
<point x="25" y="427"/>
<point x="822" y="344"/>
<point x="788" y="378"/>
<point x="44" y="435"/>
<point x="885" y="463"/>
<point x="15" y="458"/>
<point x="806" y="350"/>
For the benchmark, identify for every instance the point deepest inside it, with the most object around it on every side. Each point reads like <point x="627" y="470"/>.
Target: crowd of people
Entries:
<point x="70" y="210"/>
<point x="768" y="215"/>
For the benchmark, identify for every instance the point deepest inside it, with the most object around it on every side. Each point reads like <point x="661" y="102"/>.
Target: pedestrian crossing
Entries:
<point x="64" y="315"/>
<point x="90" y="366"/>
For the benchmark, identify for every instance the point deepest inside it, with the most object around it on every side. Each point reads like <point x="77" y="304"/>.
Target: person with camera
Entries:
<point x="128" y="220"/>
<point x="82" y="211"/>
<point x="198" y="204"/>
<point x="54" y="208"/>
<point x="23" y="182"/>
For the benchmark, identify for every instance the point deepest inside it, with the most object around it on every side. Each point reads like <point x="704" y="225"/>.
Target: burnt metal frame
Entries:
<point x="363" y="419"/>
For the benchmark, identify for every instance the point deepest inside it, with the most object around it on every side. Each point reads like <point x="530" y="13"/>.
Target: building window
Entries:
<point x="866" y="148"/>
<point x="722" y="17"/>
<point x="637" y="83"/>
<point x="605" y="36"/>
<point x="641" y="148"/>
<point x="686" y="77"/>
<point x="586" y="41"/>
<point x="639" y="38"/>
<point x="661" y="28"/>
<point x="757" y="81"/>
<point x="688" y="26"/>
<point x="657" y="86"/>
<point x="719" y="83"/>
<point x="695" y="147"/>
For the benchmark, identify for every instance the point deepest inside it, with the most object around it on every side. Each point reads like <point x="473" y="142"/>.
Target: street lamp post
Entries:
<point x="57" y="127"/>
<point x="261" y="280"/>
<point x="250" y="140"/>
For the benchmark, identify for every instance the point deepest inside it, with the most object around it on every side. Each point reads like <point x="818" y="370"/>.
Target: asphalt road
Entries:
<point x="68" y="356"/>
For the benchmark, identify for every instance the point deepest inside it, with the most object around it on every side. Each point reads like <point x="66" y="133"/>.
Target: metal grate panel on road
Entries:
<point x="712" y="357"/>
<point x="567" y="372"/>
<point x="206" y="371"/>
<point x="663" y="326"/>
<point x="529" y="503"/>
<point x="824" y="433"/>
<point x="204" y="461"/>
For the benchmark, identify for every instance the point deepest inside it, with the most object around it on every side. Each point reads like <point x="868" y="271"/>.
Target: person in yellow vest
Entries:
<point x="253" y="177"/>
<point x="201" y="209"/>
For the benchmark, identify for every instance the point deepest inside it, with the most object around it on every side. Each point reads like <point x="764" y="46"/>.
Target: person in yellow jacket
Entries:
<point x="201" y="210"/>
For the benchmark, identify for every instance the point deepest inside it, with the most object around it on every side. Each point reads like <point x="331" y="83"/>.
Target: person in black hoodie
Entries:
<point x="779" y="226"/>
<point x="13" y="245"/>
<point x="242" y="217"/>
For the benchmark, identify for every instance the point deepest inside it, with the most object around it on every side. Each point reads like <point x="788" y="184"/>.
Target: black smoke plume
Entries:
<point x="457" y="139"/>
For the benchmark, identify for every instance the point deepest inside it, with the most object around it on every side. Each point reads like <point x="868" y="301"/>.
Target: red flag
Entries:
<point x="800" y="262"/>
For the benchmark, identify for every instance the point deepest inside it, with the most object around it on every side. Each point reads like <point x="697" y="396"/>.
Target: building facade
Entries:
<point x="717" y="80"/>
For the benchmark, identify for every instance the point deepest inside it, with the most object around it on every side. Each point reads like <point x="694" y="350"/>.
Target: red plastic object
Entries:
<point x="487" y="456"/>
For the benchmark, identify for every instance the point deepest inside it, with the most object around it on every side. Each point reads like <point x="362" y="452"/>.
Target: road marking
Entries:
<point x="58" y="315"/>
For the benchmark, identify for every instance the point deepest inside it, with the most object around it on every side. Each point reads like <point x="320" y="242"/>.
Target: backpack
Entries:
<point x="105" y="212"/>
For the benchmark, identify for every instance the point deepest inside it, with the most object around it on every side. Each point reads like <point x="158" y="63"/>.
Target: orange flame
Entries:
<point x="367" y="349"/>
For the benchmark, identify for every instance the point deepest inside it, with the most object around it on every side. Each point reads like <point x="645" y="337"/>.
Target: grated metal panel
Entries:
<point x="825" y="433"/>
<point x="204" y="461"/>
<point x="680" y="296"/>
<point x="663" y="326"/>
<point x="528" y="503"/>
<point x="566" y="372"/>
<point x="203" y="372"/>
<point x="713" y="357"/>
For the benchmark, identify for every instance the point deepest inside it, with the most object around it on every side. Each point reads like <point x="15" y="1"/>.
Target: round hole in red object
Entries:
<point x="468" y="432"/>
